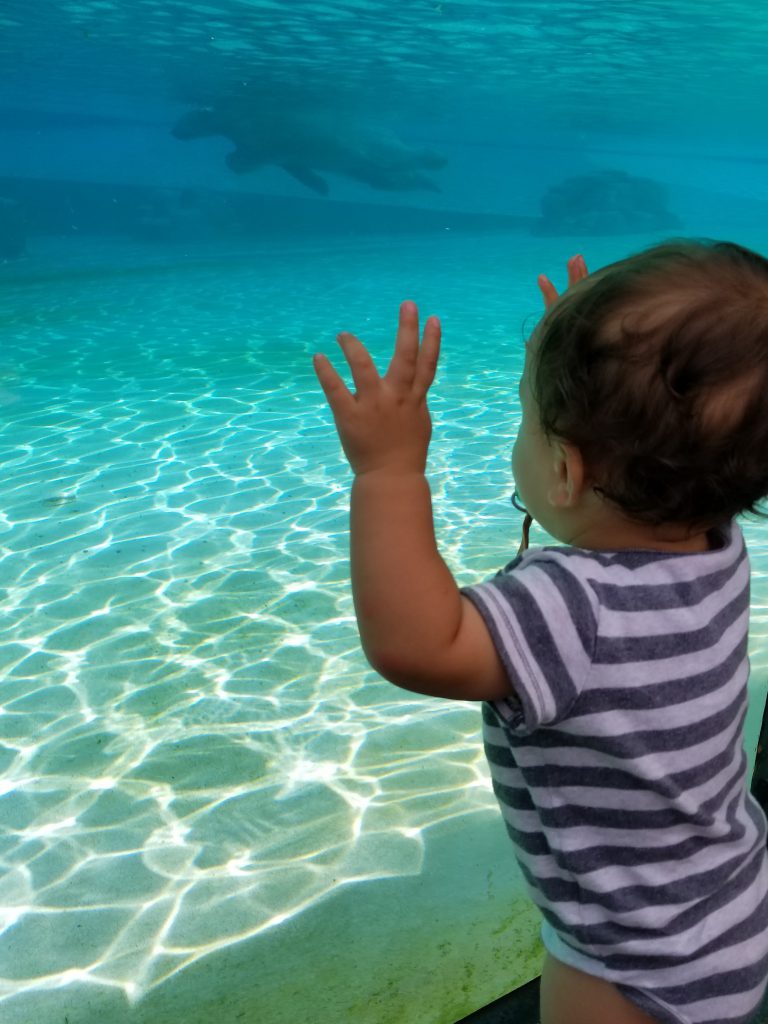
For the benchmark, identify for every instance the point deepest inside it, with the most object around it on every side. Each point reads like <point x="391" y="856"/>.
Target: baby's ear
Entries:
<point x="569" y="482"/>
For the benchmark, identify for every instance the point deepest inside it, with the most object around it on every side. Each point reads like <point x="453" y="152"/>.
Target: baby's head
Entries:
<point x="656" y="369"/>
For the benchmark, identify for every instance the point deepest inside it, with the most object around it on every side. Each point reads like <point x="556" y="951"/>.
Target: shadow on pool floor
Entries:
<point x="522" y="1007"/>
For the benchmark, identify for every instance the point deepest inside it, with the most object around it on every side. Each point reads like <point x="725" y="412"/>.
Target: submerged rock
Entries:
<point x="605" y="203"/>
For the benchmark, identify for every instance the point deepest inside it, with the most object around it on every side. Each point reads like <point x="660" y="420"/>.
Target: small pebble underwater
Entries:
<point x="211" y="808"/>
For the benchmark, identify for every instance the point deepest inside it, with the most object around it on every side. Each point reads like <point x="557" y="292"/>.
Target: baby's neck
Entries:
<point x="621" y="535"/>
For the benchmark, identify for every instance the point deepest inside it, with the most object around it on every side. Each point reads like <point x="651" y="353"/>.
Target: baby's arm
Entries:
<point x="415" y="627"/>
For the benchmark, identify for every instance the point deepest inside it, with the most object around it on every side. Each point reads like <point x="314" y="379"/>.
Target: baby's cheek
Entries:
<point x="518" y="472"/>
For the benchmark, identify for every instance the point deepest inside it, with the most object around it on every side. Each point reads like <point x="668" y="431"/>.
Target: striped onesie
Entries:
<point x="620" y="770"/>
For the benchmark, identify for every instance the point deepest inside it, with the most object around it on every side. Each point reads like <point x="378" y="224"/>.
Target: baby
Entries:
<point x="613" y="666"/>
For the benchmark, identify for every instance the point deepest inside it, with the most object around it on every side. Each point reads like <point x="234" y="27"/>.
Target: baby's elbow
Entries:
<point x="386" y="661"/>
<point x="401" y="670"/>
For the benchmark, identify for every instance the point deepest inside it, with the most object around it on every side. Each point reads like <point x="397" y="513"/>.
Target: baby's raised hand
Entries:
<point x="385" y="424"/>
<point x="577" y="271"/>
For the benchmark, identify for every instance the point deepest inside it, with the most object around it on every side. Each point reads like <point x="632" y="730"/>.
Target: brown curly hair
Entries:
<point x="656" y="369"/>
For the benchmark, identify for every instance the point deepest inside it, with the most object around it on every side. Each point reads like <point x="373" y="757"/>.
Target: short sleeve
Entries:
<point x="542" y="619"/>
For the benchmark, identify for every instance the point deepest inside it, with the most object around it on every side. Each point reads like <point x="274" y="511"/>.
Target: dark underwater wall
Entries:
<point x="179" y="214"/>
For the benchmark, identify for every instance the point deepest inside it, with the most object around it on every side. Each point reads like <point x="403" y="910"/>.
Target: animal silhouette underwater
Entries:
<point x="304" y="143"/>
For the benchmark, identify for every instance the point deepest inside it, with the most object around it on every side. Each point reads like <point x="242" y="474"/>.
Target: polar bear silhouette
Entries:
<point x="304" y="143"/>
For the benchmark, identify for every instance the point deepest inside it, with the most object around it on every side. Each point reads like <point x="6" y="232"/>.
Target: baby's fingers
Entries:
<point x="429" y="352"/>
<point x="547" y="289"/>
<point x="402" y="367"/>
<point x="335" y="390"/>
<point x="364" y="372"/>
<point x="413" y="365"/>
<point x="360" y="363"/>
<point x="577" y="269"/>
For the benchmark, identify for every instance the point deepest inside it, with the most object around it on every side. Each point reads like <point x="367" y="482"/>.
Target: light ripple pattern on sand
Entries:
<point x="192" y="747"/>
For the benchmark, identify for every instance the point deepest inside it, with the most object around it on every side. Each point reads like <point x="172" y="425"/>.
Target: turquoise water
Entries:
<point x="194" y="750"/>
<point x="211" y="809"/>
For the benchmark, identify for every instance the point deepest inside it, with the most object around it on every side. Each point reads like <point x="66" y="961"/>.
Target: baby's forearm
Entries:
<point x="407" y="603"/>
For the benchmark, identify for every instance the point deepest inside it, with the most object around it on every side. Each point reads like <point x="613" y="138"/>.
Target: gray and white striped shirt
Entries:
<point x="619" y="766"/>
